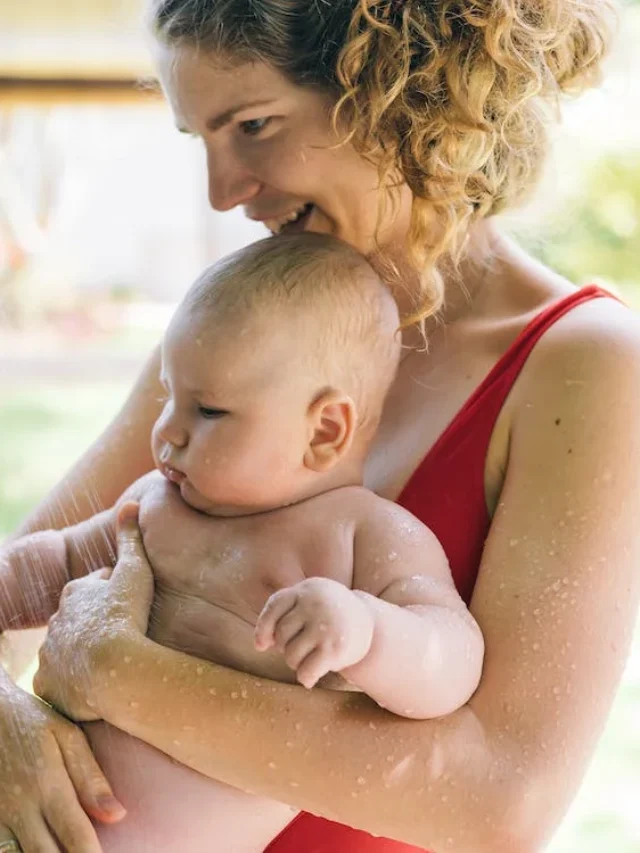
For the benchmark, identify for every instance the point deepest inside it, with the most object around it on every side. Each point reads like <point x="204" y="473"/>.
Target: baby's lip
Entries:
<point x="173" y="475"/>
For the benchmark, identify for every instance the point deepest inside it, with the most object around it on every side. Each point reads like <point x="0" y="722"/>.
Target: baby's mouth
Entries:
<point x="173" y="475"/>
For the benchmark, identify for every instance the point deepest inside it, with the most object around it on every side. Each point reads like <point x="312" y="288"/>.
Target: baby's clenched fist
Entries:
<point x="319" y="625"/>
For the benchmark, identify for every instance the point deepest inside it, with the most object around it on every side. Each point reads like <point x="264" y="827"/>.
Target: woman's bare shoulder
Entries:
<point x="595" y="342"/>
<point x="558" y="587"/>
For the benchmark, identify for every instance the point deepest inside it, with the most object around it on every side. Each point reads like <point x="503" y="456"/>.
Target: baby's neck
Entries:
<point x="342" y="476"/>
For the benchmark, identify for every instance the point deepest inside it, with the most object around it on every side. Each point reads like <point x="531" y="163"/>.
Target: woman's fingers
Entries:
<point x="132" y="579"/>
<point x="64" y="814"/>
<point x="32" y="833"/>
<point x="92" y="788"/>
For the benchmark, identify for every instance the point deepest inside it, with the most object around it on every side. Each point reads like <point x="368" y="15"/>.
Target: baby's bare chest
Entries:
<point x="214" y="575"/>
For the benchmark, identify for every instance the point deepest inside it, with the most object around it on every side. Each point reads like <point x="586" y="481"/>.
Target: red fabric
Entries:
<point x="446" y="492"/>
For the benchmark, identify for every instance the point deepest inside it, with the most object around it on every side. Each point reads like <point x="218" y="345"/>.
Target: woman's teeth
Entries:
<point x="276" y="225"/>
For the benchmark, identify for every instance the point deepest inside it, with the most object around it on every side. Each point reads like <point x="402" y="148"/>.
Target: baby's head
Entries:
<point x="276" y="365"/>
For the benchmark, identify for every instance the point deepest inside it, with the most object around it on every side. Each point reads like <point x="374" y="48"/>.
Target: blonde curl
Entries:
<point x="457" y="97"/>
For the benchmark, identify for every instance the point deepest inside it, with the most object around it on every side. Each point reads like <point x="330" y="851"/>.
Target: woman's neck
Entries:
<point x="465" y="290"/>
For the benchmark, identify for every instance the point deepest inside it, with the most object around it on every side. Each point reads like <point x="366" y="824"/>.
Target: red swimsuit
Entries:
<point x="446" y="492"/>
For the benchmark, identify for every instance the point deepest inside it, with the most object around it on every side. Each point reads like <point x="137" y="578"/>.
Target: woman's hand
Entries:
<point x="49" y="779"/>
<point x="96" y="613"/>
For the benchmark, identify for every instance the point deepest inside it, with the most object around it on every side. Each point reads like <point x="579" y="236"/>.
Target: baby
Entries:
<point x="275" y="368"/>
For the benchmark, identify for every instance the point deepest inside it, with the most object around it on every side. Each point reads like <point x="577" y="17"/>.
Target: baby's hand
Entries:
<point x="319" y="625"/>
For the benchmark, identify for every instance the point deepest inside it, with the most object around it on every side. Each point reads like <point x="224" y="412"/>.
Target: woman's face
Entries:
<point x="271" y="149"/>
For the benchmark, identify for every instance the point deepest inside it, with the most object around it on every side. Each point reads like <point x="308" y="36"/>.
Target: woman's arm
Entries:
<point x="113" y="462"/>
<point x="556" y="601"/>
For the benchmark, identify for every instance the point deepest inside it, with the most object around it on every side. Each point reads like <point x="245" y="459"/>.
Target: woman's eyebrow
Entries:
<point x="216" y="122"/>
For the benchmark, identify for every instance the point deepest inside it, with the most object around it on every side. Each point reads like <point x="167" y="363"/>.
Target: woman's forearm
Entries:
<point x="33" y="572"/>
<point x="445" y="784"/>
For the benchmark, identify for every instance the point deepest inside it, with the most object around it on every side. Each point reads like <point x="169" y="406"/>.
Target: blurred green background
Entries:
<point x="68" y="354"/>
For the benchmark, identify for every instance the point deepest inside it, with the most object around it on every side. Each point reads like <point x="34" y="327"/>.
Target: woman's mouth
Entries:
<point x="291" y="223"/>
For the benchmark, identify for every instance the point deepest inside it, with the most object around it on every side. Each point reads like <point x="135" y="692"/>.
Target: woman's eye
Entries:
<point x="254" y="126"/>
<point x="211" y="414"/>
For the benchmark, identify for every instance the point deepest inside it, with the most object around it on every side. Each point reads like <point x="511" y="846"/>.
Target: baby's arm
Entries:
<point x="35" y="568"/>
<point x="402" y="635"/>
<point x="426" y="654"/>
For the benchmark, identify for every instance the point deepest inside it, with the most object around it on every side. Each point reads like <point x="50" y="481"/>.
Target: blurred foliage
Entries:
<point x="595" y="235"/>
<point x="44" y="430"/>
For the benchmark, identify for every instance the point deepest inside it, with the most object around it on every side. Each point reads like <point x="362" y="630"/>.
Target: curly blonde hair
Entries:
<point x="453" y="96"/>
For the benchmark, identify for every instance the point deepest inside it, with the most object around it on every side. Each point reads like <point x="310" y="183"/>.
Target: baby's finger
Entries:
<point x="288" y="627"/>
<point x="313" y="668"/>
<point x="278" y="604"/>
<point x="299" y="648"/>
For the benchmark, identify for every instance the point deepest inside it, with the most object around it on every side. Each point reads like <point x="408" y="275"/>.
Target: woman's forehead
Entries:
<point x="197" y="82"/>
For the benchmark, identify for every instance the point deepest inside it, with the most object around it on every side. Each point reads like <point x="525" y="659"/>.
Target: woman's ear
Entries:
<point x="332" y="422"/>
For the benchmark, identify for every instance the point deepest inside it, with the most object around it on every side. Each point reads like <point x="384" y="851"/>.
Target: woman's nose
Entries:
<point x="230" y="183"/>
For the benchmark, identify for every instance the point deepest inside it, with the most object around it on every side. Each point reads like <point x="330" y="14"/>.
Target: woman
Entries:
<point x="515" y="436"/>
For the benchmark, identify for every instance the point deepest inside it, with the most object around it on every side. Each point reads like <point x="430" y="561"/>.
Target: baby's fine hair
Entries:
<point x="342" y="320"/>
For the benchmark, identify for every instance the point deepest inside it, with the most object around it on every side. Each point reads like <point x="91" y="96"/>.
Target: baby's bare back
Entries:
<point x="213" y="577"/>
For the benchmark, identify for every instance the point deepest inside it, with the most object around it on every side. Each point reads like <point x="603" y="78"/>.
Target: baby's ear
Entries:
<point x="332" y="422"/>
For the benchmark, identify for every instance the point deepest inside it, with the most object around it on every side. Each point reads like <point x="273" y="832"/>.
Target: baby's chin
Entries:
<point x="219" y="508"/>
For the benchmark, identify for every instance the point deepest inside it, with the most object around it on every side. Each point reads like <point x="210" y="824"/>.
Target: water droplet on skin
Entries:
<point x="133" y="705"/>
<point x="234" y="695"/>
<point x="113" y="673"/>
<point x="199" y="670"/>
<point x="127" y="659"/>
<point x="289" y="744"/>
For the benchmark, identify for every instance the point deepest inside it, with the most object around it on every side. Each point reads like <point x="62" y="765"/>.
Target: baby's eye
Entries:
<point x="254" y="126"/>
<point x="211" y="414"/>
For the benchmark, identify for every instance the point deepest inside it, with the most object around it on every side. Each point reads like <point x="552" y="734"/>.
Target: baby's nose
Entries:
<point x="173" y="434"/>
